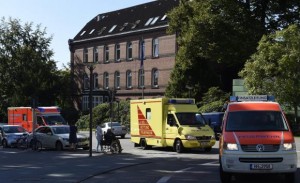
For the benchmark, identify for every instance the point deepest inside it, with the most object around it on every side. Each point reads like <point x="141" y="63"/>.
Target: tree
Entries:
<point x="27" y="70"/>
<point x="215" y="38"/>
<point x="213" y="100"/>
<point x="275" y="67"/>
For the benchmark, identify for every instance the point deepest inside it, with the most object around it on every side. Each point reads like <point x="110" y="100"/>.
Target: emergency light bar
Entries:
<point x="252" y="98"/>
<point x="181" y="101"/>
<point x="49" y="109"/>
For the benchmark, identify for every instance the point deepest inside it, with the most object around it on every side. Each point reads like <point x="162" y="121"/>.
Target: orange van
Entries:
<point x="256" y="138"/>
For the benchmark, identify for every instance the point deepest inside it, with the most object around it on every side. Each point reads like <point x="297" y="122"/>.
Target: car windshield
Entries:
<point x="190" y="118"/>
<point x="114" y="124"/>
<point x="55" y="120"/>
<point x="61" y="129"/>
<point x="13" y="129"/>
<point x="256" y="121"/>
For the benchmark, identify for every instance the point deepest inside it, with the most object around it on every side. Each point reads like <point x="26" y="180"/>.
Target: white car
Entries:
<point x="116" y="128"/>
<point x="57" y="137"/>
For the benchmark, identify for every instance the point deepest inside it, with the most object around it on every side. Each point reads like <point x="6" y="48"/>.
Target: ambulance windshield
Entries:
<point x="54" y="120"/>
<point x="256" y="121"/>
<point x="190" y="118"/>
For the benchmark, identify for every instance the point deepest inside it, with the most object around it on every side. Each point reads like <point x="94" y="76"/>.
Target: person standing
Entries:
<point x="73" y="136"/>
<point x="99" y="137"/>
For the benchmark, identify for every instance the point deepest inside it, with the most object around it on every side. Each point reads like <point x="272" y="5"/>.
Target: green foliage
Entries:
<point x="215" y="38"/>
<point x="102" y="114"/>
<point x="213" y="100"/>
<point x="275" y="67"/>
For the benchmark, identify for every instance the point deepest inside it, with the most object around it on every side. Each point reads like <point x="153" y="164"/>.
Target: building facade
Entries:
<point x="131" y="53"/>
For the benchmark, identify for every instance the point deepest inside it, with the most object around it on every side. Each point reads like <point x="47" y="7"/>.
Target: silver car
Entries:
<point x="115" y="127"/>
<point x="10" y="134"/>
<point x="57" y="137"/>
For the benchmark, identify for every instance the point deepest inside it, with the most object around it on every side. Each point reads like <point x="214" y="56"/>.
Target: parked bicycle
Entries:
<point x="24" y="143"/>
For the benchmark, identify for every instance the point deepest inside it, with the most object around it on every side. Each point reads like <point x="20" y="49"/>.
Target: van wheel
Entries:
<point x="290" y="177"/>
<point x="144" y="144"/>
<point x="178" y="147"/>
<point x="207" y="149"/>
<point x="224" y="176"/>
<point x="58" y="146"/>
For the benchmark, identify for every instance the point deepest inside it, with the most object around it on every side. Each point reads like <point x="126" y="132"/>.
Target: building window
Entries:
<point x="97" y="100"/>
<point x="85" y="103"/>
<point x="86" y="82"/>
<point x="96" y="57"/>
<point x="85" y="55"/>
<point x="129" y="51"/>
<point x="105" y="80"/>
<point x="118" y="52"/>
<point x="96" y="85"/>
<point x="128" y="79"/>
<point x="141" y="78"/>
<point x="117" y="80"/>
<point x="142" y="49"/>
<point x="155" y="48"/>
<point x="106" y="54"/>
<point x="154" y="78"/>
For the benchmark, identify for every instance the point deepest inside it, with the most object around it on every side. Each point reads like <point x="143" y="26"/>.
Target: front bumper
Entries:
<point x="280" y="162"/>
<point x="198" y="143"/>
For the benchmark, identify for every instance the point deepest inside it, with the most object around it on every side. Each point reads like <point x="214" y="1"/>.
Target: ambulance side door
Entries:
<point x="171" y="129"/>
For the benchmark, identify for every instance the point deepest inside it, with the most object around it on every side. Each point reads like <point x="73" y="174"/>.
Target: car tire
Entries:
<point x="178" y="147"/>
<point x="86" y="148"/>
<point x="4" y="143"/>
<point x="122" y="136"/>
<point x="58" y="146"/>
<point x="224" y="176"/>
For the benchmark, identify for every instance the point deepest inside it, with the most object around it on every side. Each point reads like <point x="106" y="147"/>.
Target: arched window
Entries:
<point x="128" y="79"/>
<point x="129" y="51"/>
<point x="85" y="55"/>
<point x="155" y="48"/>
<point x="96" y="57"/>
<point x="95" y="77"/>
<point x="105" y="80"/>
<point x="86" y="82"/>
<point x="117" y="80"/>
<point x="154" y="77"/>
<point x="141" y="78"/>
<point x="106" y="54"/>
<point x="117" y="52"/>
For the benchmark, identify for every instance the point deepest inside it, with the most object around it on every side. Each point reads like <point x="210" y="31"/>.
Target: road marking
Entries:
<point x="166" y="178"/>
<point x="213" y="163"/>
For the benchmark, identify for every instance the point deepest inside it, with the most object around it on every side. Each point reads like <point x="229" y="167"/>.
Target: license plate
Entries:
<point x="204" y="143"/>
<point x="261" y="166"/>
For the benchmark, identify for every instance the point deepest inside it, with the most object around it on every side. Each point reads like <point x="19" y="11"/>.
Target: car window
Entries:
<point x="13" y="129"/>
<point x="116" y="124"/>
<point x="61" y="130"/>
<point x="256" y="121"/>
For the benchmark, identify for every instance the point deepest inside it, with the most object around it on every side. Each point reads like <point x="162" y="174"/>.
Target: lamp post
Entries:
<point x="91" y="68"/>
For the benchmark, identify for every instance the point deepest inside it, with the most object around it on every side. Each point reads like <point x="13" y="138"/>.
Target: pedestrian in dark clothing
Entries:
<point x="73" y="137"/>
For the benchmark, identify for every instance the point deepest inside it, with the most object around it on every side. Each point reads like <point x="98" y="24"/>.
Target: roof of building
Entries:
<point x="138" y="18"/>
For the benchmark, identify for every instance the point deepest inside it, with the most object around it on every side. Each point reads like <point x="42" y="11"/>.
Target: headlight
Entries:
<point x="231" y="147"/>
<point x="288" y="146"/>
<point x="190" y="137"/>
<point x="65" y="139"/>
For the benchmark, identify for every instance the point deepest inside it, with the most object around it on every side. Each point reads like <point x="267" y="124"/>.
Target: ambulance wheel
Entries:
<point x="290" y="177"/>
<point x="224" y="176"/>
<point x="144" y="144"/>
<point x="178" y="147"/>
<point x="207" y="149"/>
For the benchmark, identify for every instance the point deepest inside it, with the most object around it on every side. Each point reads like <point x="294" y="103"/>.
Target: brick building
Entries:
<point x="116" y="43"/>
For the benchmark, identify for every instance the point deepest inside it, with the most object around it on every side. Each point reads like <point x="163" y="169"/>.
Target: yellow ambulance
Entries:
<point x="169" y="122"/>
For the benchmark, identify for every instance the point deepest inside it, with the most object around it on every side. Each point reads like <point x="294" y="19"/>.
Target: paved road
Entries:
<point x="134" y="165"/>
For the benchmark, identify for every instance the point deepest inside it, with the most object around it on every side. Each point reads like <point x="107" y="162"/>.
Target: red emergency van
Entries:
<point x="23" y="116"/>
<point x="256" y="138"/>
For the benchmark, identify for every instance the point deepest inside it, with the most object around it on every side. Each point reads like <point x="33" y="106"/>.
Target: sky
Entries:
<point x="63" y="19"/>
